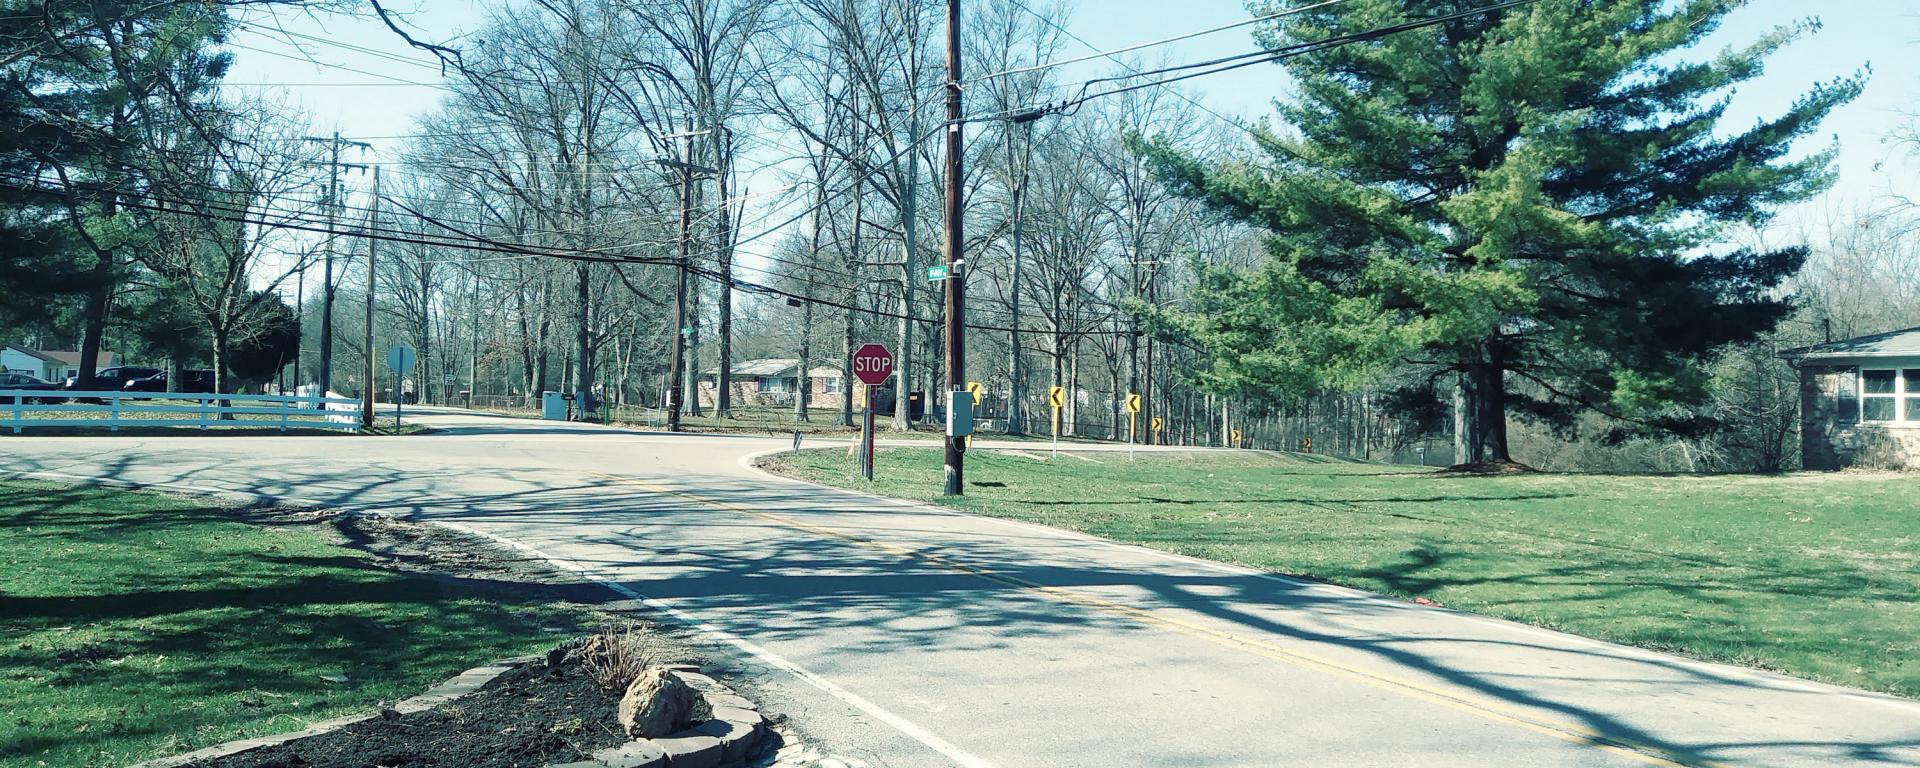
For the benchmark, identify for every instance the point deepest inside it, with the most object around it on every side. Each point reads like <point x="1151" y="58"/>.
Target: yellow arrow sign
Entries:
<point x="1158" y="423"/>
<point x="973" y="387"/>
<point x="1056" y="396"/>
<point x="1236" y="437"/>
<point x="1133" y="403"/>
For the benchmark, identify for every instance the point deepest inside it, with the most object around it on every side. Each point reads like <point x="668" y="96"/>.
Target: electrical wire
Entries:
<point x="1238" y="61"/>
<point x="1177" y="38"/>
<point x="325" y="65"/>
<point x="268" y="30"/>
<point x="218" y="212"/>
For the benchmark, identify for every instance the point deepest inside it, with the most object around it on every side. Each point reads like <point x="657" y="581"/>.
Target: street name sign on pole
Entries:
<point x="400" y="359"/>
<point x="872" y="365"/>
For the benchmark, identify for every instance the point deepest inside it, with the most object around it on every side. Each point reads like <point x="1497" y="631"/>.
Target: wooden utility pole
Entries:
<point x="326" y="275"/>
<point x="956" y="262"/>
<point x="366" y="400"/>
<point x="334" y="165"/>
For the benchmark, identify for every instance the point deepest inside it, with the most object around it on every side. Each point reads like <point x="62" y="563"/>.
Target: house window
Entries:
<point x="1878" y="395"/>
<point x="1910" y="381"/>
<point x="775" y="384"/>
<point x="1890" y="395"/>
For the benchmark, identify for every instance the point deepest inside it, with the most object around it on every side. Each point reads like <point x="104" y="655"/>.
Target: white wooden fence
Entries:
<point x="25" y="408"/>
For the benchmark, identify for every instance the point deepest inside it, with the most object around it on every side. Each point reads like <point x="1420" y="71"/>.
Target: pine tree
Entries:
<point x="87" y="94"/>
<point x="1530" y="198"/>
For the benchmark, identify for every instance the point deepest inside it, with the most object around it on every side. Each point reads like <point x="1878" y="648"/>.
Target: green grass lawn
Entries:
<point x="135" y="625"/>
<point x="1817" y="575"/>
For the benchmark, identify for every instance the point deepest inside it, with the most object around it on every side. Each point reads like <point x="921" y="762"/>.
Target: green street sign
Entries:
<point x="937" y="273"/>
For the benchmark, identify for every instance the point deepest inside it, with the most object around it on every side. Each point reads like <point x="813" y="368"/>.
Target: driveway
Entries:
<point x="905" y="635"/>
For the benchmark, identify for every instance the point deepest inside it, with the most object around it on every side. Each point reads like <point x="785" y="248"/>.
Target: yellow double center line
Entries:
<point x="1485" y="708"/>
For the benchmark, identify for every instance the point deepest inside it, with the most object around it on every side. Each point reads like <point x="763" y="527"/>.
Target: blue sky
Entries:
<point x="1856" y="33"/>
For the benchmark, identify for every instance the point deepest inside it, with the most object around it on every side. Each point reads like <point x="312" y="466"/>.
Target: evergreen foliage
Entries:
<point x="1531" y="199"/>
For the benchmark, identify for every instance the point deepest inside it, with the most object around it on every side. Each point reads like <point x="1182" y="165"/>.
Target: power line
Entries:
<point x="217" y="212"/>
<point x="325" y="65"/>
<point x="264" y="29"/>
<point x="1123" y="65"/>
<point x="1237" y="61"/>
<point x="1177" y="38"/>
<point x="752" y="287"/>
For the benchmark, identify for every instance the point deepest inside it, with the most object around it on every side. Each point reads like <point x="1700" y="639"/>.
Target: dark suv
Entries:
<point x="114" y="378"/>
<point x="191" y="380"/>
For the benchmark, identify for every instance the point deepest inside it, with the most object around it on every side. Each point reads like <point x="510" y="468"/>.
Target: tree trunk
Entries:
<point x="1016" y="368"/>
<point x="854" y="257"/>
<point x="222" y="350"/>
<point x="1493" y="408"/>
<point x="846" y="362"/>
<point x="540" y="343"/>
<point x="723" y="402"/>
<point x="583" y="372"/>
<point x="1460" y="420"/>
<point x="691" y="401"/>
<point x="910" y="232"/>
<point x="1073" y="387"/>
<point x="96" y="319"/>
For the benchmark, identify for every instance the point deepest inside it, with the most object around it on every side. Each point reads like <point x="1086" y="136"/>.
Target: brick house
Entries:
<point x="773" y="382"/>
<point x="1860" y="401"/>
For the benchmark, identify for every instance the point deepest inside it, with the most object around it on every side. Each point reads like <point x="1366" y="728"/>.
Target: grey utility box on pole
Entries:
<point x="959" y="413"/>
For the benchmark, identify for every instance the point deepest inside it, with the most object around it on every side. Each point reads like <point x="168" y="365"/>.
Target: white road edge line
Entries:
<point x="1781" y="682"/>
<point x="907" y="727"/>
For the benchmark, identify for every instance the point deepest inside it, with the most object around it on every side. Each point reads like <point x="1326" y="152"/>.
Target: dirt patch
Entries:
<point x="1489" y="468"/>
<point x="530" y="716"/>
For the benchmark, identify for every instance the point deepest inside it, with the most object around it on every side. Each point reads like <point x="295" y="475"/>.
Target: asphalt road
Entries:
<point x="904" y="635"/>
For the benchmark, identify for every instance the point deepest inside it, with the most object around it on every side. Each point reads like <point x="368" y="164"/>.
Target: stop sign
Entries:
<point x="872" y="364"/>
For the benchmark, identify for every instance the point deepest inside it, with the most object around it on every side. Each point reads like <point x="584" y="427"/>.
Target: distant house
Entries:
<point x="773" y="382"/>
<point x="50" y="365"/>
<point x="1860" y="401"/>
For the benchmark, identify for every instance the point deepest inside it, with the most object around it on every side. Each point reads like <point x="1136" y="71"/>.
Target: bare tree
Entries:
<point x="217" y="245"/>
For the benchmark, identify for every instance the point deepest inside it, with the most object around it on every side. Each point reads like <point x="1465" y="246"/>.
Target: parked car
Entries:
<point x="114" y="378"/>
<point x="191" y="380"/>
<point x="30" y="382"/>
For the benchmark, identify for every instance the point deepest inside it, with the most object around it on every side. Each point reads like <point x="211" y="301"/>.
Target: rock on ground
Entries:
<point x="659" y="703"/>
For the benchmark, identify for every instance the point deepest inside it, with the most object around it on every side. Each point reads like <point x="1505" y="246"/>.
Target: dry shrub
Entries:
<point x="615" y="657"/>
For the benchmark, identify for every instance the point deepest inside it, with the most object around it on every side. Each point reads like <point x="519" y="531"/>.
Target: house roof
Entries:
<point x="773" y="366"/>
<point x="62" y="357"/>
<point x="1901" y="343"/>
<point x="32" y="353"/>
